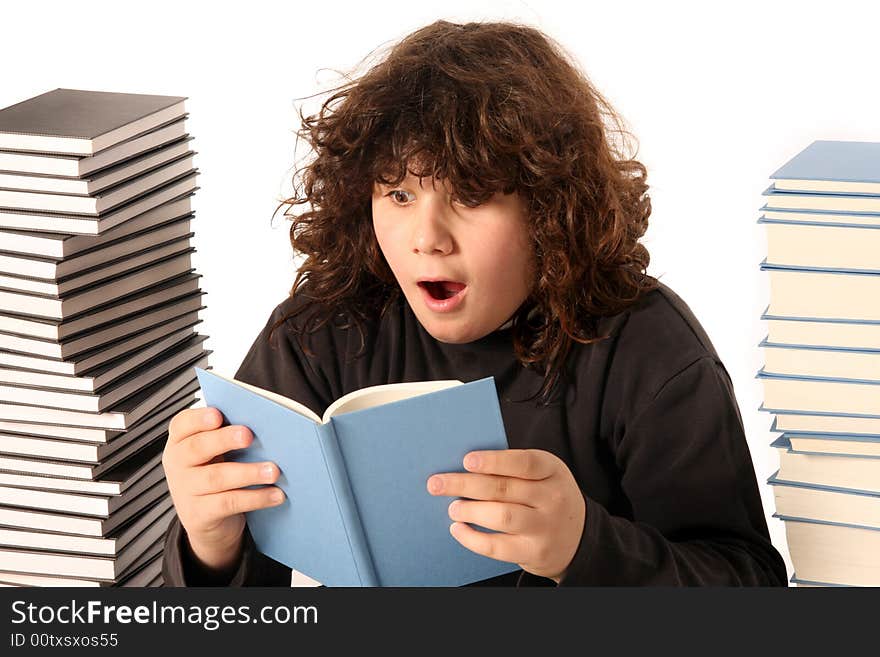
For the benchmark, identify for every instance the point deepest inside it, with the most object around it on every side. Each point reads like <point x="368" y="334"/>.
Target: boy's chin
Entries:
<point x="450" y="328"/>
<point x="452" y="334"/>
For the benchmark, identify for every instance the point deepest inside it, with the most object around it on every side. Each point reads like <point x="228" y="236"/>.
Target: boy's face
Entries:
<point x="484" y="252"/>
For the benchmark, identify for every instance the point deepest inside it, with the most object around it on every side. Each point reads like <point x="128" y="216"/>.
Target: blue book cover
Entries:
<point x="766" y="343"/>
<point x="787" y="411"/>
<point x="357" y="512"/>
<point x="763" y="374"/>
<point x="784" y="442"/>
<point x="845" y="161"/>
<point x="807" y="582"/>
<point x="813" y="521"/>
<point x="829" y="435"/>
<point x="769" y="266"/>
<point x="835" y="202"/>
<point x="781" y="442"/>
<point x="774" y="480"/>
<point x="822" y="216"/>
<point x="767" y="316"/>
<point x="825" y="224"/>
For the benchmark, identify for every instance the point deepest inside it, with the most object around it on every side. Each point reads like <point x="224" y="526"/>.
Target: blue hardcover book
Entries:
<point x="830" y="332"/>
<point x="812" y="424"/>
<point x="828" y="523"/>
<point x="774" y="480"/>
<point x="800" y="394"/>
<point x="823" y="503"/>
<point x="784" y="442"/>
<point x="869" y="438"/>
<point x="814" y="220"/>
<point x="357" y="512"/>
<point x="767" y="315"/>
<point x="818" y="361"/>
<point x="823" y="293"/>
<point x="777" y="199"/>
<point x="781" y="442"/>
<point x="820" y="216"/>
<point x="819" y="348"/>
<point x="837" y="167"/>
<point x="800" y="411"/>
<point x="806" y="582"/>
<point x="822" y="246"/>
<point x="771" y="266"/>
<point x="764" y="374"/>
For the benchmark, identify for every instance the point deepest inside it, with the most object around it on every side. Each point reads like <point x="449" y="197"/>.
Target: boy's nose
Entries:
<point x="431" y="232"/>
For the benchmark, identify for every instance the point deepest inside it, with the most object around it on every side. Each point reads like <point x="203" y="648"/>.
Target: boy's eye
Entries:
<point x="399" y="196"/>
<point x="395" y="195"/>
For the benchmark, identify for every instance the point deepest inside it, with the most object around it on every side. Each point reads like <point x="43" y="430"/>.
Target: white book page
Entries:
<point x="383" y="394"/>
<point x="355" y="400"/>
<point x="275" y="397"/>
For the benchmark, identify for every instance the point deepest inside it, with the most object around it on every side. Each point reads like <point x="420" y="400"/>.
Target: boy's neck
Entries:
<point x="509" y="322"/>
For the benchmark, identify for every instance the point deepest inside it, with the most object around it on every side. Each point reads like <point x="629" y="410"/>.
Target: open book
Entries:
<point x="357" y="512"/>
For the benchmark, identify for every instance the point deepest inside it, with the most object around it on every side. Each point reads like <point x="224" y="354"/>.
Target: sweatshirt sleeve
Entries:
<point x="697" y="517"/>
<point x="278" y="365"/>
<point x="255" y="568"/>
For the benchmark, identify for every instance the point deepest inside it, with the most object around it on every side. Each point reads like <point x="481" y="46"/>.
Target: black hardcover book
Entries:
<point x="80" y="122"/>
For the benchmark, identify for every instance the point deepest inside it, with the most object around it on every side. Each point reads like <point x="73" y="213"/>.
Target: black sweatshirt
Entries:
<point x="648" y="425"/>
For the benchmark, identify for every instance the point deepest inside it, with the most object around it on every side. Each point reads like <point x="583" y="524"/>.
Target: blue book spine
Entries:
<point x="390" y="451"/>
<point x="307" y="531"/>
<point x="354" y="529"/>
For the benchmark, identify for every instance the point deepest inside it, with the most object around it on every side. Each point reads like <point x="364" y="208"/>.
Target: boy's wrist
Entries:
<point x="213" y="562"/>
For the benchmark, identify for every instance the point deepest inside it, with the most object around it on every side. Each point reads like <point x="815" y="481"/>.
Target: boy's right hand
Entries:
<point x="207" y="490"/>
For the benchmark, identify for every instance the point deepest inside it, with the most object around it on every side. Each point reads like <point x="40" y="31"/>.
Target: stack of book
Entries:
<point x="821" y="373"/>
<point x="99" y="305"/>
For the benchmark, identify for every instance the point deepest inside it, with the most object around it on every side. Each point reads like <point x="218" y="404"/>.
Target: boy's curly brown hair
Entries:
<point x="489" y="106"/>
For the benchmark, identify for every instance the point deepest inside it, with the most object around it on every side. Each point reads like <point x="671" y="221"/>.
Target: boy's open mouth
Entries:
<point x="442" y="289"/>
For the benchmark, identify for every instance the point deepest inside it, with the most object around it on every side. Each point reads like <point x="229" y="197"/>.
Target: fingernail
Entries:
<point x="472" y="461"/>
<point x="267" y="471"/>
<point x="453" y="508"/>
<point x="242" y="437"/>
<point x="210" y="419"/>
<point x="277" y="496"/>
<point x="435" y="484"/>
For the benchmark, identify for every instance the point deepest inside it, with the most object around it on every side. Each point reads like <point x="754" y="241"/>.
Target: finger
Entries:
<point x="202" y="447"/>
<point x="192" y="420"/>
<point x="503" y="547"/>
<point x="218" y="477"/>
<point x="522" y="463"/>
<point x="241" y="500"/>
<point x="484" y="487"/>
<point x="500" y="516"/>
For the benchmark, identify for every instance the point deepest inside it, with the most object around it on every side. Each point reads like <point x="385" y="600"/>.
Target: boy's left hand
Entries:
<point x="528" y="494"/>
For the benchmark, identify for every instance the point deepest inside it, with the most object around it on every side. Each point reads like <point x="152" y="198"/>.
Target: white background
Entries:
<point x="718" y="96"/>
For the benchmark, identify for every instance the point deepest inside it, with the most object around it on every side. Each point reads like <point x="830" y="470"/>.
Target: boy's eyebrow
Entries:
<point x="389" y="185"/>
<point x="410" y="179"/>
